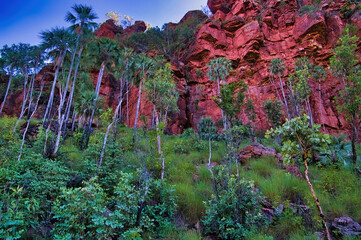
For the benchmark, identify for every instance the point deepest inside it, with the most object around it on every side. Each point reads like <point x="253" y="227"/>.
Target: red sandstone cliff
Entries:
<point x="250" y="33"/>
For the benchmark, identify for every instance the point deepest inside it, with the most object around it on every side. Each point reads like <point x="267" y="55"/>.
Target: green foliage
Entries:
<point x="232" y="96"/>
<point x="339" y="152"/>
<point x="250" y="111"/>
<point x="81" y="213"/>
<point x="207" y="128"/>
<point x="287" y="224"/>
<point x="277" y="66"/>
<point x="344" y="59"/>
<point x="351" y="7"/>
<point x="273" y="112"/>
<point x="161" y="90"/>
<point x="236" y="212"/>
<point x="219" y="69"/>
<point x="298" y="138"/>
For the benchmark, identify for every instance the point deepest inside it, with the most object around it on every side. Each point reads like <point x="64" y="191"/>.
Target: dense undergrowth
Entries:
<point x="69" y="197"/>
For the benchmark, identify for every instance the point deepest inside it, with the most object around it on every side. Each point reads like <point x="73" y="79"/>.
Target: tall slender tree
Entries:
<point x="31" y="59"/>
<point x="82" y="19"/>
<point x="219" y="69"/>
<point x="105" y="51"/>
<point x="56" y="41"/>
<point x="162" y="93"/>
<point x="144" y="69"/>
<point x="122" y="74"/>
<point x="11" y="58"/>
<point x="344" y="65"/>
<point x="277" y="69"/>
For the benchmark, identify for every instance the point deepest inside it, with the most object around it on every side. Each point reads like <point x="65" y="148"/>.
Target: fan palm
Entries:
<point x="144" y="66"/>
<point x="11" y="58"/>
<point x="82" y="20"/>
<point x="219" y="69"/>
<point x="277" y="69"/>
<point x="105" y="52"/>
<point x="26" y="63"/>
<point x="57" y="42"/>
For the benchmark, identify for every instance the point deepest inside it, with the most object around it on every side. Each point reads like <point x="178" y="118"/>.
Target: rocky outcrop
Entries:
<point x="346" y="227"/>
<point x="257" y="150"/>
<point x="109" y="29"/>
<point x="251" y="34"/>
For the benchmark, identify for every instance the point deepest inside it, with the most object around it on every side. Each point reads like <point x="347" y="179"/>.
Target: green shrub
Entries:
<point x="81" y="213"/>
<point x="236" y="212"/>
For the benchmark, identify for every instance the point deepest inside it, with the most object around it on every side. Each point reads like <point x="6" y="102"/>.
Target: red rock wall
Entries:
<point x="250" y="34"/>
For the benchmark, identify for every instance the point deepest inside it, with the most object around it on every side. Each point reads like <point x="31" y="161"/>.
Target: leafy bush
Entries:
<point x="236" y="211"/>
<point x="81" y="213"/>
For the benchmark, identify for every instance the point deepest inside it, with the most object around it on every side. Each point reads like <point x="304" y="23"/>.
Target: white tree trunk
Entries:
<point x="7" y="90"/>
<point x="284" y="97"/>
<point x="52" y="92"/>
<point x="138" y="107"/>
<point x="97" y="89"/>
<point x="28" y="124"/>
<point x="25" y="99"/>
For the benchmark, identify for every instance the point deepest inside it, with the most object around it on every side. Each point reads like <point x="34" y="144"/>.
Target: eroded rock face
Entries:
<point x="109" y="29"/>
<point x="250" y="34"/>
<point x="222" y="5"/>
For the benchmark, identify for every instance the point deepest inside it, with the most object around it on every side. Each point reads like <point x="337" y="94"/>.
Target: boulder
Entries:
<point x="222" y="5"/>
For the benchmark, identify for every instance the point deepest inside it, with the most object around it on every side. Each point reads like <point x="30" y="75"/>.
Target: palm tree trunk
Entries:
<point x="138" y="107"/>
<point x="308" y="104"/>
<point x="284" y="97"/>
<point x="210" y="151"/>
<point x="97" y="89"/>
<point x="275" y="86"/>
<point x="73" y="122"/>
<point x="128" y="103"/>
<point x="115" y="117"/>
<point x="159" y="143"/>
<point x="353" y="140"/>
<point x="328" y="236"/>
<point x="25" y="99"/>
<point x="29" y="120"/>
<point x="31" y="92"/>
<point x="71" y="94"/>
<point x="61" y="115"/>
<point x="7" y="89"/>
<point x="51" y="97"/>
<point x="321" y="113"/>
<point x="220" y="99"/>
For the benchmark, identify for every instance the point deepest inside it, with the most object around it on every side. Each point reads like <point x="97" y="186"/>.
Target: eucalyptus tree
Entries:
<point x="299" y="140"/>
<point x="11" y="57"/>
<point x="344" y="64"/>
<point x="277" y="69"/>
<point x="57" y="41"/>
<point x="105" y="52"/>
<point x="144" y="69"/>
<point x="219" y="69"/>
<point x="300" y="88"/>
<point x="161" y="92"/>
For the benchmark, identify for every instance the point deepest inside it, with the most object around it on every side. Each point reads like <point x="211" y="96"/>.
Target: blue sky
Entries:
<point x="22" y="20"/>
